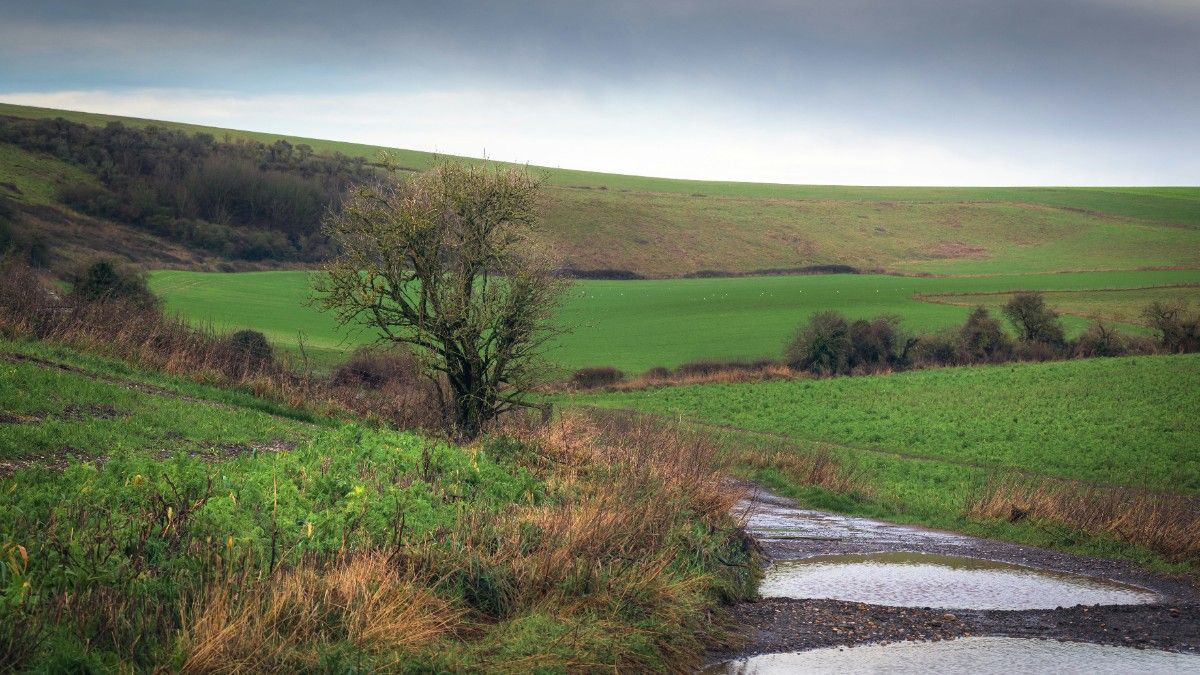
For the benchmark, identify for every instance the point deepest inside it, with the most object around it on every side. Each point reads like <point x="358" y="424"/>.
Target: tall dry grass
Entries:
<point x="816" y="468"/>
<point x="283" y="623"/>
<point x="1167" y="524"/>
<point x="616" y="542"/>
<point x="699" y="372"/>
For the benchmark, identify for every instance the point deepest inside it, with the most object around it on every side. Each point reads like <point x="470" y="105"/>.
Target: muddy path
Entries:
<point x="1165" y="615"/>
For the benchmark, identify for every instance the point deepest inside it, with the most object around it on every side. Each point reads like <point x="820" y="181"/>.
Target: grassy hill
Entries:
<point x="663" y="227"/>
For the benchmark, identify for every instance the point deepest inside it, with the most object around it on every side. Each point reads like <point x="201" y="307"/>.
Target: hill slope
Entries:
<point x="666" y="227"/>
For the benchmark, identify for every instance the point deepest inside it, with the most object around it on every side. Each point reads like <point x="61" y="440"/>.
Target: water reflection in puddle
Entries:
<point x="969" y="655"/>
<point x="950" y="582"/>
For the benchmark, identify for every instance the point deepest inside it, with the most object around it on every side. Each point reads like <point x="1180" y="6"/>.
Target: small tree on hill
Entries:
<point x="1034" y="321"/>
<point x="446" y="262"/>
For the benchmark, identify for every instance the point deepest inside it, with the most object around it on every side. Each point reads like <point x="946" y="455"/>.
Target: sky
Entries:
<point x="860" y="92"/>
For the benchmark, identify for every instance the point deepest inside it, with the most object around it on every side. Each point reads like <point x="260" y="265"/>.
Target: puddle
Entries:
<point x="766" y="519"/>
<point x="943" y="582"/>
<point x="969" y="655"/>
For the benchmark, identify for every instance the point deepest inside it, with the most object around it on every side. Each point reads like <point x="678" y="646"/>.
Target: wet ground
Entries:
<point x="902" y="579"/>
<point x="970" y="655"/>
<point x="885" y="583"/>
<point x="786" y="532"/>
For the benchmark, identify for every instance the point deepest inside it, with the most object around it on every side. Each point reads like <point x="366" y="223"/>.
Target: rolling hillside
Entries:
<point x="658" y="227"/>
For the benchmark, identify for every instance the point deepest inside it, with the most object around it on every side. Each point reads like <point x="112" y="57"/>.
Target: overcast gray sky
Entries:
<point x="946" y="92"/>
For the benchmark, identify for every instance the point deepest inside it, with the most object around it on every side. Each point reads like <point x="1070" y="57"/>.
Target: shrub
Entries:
<point x="596" y="376"/>
<point x="982" y="338"/>
<point x="105" y="280"/>
<point x="658" y="373"/>
<point x="701" y="368"/>
<point x="822" y="345"/>
<point x="149" y="338"/>
<point x="253" y="347"/>
<point x="1034" y="321"/>
<point x="1100" y="339"/>
<point x="877" y="343"/>
<point x="1178" y="329"/>
<point x="939" y="349"/>
<point x="377" y="367"/>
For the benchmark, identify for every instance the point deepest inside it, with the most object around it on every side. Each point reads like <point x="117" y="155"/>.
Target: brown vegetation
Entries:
<point x="596" y="377"/>
<point x="282" y="623"/>
<point x="695" y="372"/>
<point x="818" y="468"/>
<point x="1164" y="523"/>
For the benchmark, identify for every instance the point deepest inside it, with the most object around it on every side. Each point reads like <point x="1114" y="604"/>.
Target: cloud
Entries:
<point x="1047" y="86"/>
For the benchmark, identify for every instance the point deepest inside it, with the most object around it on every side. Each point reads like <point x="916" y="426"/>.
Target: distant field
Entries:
<point x="636" y="325"/>
<point x="1117" y="305"/>
<point x="1128" y="421"/>
<point x="663" y="227"/>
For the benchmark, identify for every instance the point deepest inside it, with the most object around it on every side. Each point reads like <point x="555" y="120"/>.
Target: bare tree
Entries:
<point x="1034" y="321"/>
<point x="1178" y="329"/>
<point x="446" y="262"/>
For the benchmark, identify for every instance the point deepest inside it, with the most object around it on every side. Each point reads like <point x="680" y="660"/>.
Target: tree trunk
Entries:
<point x="470" y="403"/>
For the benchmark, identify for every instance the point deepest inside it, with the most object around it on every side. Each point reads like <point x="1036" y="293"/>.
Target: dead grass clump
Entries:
<point x="708" y="373"/>
<point x="819" y="468"/>
<point x="283" y="622"/>
<point x="596" y="377"/>
<point x="677" y="462"/>
<point x="1167" y="524"/>
<point x="619" y="542"/>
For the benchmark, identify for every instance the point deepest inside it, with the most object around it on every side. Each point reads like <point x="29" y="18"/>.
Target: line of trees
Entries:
<point x="830" y="344"/>
<point x="238" y="199"/>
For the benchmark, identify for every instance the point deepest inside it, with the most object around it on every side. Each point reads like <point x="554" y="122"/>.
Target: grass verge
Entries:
<point x="570" y="547"/>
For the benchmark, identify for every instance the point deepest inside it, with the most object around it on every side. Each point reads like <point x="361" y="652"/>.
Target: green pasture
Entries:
<point x="1122" y="306"/>
<point x="1128" y="421"/>
<point x="122" y="488"/>
<point x="636" y="325"/>
<point x="57" y="404"/>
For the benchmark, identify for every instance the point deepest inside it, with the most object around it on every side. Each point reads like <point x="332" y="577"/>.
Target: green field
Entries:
<point x="636" y="325"/>
<point x="1122" y="306"/>
<point x="923" y="444"/>
<point x="663" y="227"/>
<point x="1128" y="421"/>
